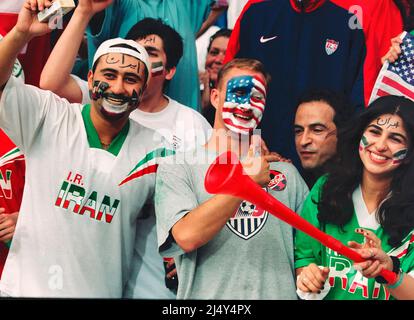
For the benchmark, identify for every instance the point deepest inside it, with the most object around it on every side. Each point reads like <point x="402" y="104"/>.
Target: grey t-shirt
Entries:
<point x="251" y="257"/>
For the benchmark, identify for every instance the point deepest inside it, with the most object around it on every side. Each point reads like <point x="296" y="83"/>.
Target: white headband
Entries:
<point x="117" y="45"/>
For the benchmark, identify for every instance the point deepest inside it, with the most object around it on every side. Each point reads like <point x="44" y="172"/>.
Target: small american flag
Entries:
<point x="397" y="78"/>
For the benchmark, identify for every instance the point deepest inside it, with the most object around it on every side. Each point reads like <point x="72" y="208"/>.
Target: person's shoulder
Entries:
<point x="363" y="4"/>
<point x="177" y="162"/>
<point x="185" y="112"/>
<point x="281" y="166"/>
<point x="139" y="131"/>
<point x="317" y="187"/>
<point x="174" y="104"/>
<point x="261" y="3"/>
<point x="265" y="5"/>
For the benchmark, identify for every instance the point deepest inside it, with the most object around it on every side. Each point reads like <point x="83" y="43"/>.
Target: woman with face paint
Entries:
<point x="367" y="202"/>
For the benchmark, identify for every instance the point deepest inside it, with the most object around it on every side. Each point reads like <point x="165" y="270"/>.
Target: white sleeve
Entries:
<point x="197" y="129"/>
<point x="23" y="109"/>
<point x="203" y="126"/>
<point x="83" y="86"/>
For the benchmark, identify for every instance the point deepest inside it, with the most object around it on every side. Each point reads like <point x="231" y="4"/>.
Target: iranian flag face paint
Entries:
<point x="399" y="156"/>
<point x="244" y="104"/>
<point x="157" y="68"/>
<point x="363" y="143"/>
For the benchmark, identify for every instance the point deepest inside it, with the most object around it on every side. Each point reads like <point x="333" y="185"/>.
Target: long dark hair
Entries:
<point x="396" y="214"/>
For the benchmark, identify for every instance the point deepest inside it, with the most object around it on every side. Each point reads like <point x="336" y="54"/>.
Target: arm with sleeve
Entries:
<point x="174" y="198"/>
<point x="355" y="71"/>
<point x="23" y="109"/>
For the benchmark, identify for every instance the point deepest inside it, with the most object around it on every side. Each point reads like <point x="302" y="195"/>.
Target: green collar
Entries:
<point x="93" y="137"/>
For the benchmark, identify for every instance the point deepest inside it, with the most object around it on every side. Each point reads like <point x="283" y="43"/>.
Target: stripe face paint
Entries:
<point x="363" y="143"/>
<point x="157" y="68"/>
<point x="399" y="156"/>
<point x="244" y="104"/>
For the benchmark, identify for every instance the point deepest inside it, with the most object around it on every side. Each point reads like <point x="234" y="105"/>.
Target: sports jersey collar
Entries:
<point x="309" y="6"/>
<point x="93" y="137"/>
<point x="365" y="219"/>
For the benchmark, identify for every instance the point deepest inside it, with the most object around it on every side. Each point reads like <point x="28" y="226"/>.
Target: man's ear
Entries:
<point x="170" y="73"/>
<point x="214" y="98"/>
<point x="90" y="80"/>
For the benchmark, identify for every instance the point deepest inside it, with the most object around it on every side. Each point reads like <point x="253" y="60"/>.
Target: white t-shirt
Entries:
<point x="202" y="43"/>
<point x="11" y="6"/>
<point x="233" y="11"/>
<point x="76" y="231"/>
<point x="182" y="128"/>
<point x="83" y="86"/>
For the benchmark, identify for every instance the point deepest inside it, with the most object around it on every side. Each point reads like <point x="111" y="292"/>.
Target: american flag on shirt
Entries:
<point x="397" y="78"/>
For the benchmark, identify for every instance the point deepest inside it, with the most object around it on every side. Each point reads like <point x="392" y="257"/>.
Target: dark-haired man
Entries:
<point x="319" y="116"/>
<point x="87" y="174"/>
<point x="182" y="128"/>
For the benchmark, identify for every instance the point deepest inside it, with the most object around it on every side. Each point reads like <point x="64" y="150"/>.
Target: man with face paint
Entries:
<point x="89" y="172"/>
<point x="186" y="17"/>
<point x="309" y="44"/>
<point x="320" y="115"/>
<point x="226" y="248"/>
<point x="118" y="84"/>
<point x="181" y="127"/>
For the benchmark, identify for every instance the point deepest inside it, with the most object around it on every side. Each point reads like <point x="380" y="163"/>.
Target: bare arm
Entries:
<point x="26" y="28"/>
<point x="202" y="224"/>
<point x="211" y="19"/>
<point x="56" y="73"/>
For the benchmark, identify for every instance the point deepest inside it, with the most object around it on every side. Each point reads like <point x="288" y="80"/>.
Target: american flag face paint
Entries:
<point x="244" y="104"/>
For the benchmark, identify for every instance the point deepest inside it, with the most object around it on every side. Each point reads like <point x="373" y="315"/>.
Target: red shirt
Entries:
<point x="34" y="55"/>
<point x="12" y="174"/>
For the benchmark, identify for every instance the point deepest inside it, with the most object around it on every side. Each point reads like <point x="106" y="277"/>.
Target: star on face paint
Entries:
<point x="244" y="104"/>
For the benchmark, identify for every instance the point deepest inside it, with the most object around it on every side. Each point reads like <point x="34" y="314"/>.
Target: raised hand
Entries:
<point x="256" y="166"/>
<point x="370" y="240"/>
<point x="93" y="6"/>
<point x="7" y="225"/>
<point x="377" y="260"/>
<point x="394" y="51"/>
<point x="27" y="23"/>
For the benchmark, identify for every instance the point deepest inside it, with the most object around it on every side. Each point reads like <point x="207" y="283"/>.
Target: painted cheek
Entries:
<point x="99" y="87"/>
<point x="364" y="143"/>
<point x="399" y="156"/>
<point x="157" y="68"/>
<point x="257" y="105"/>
